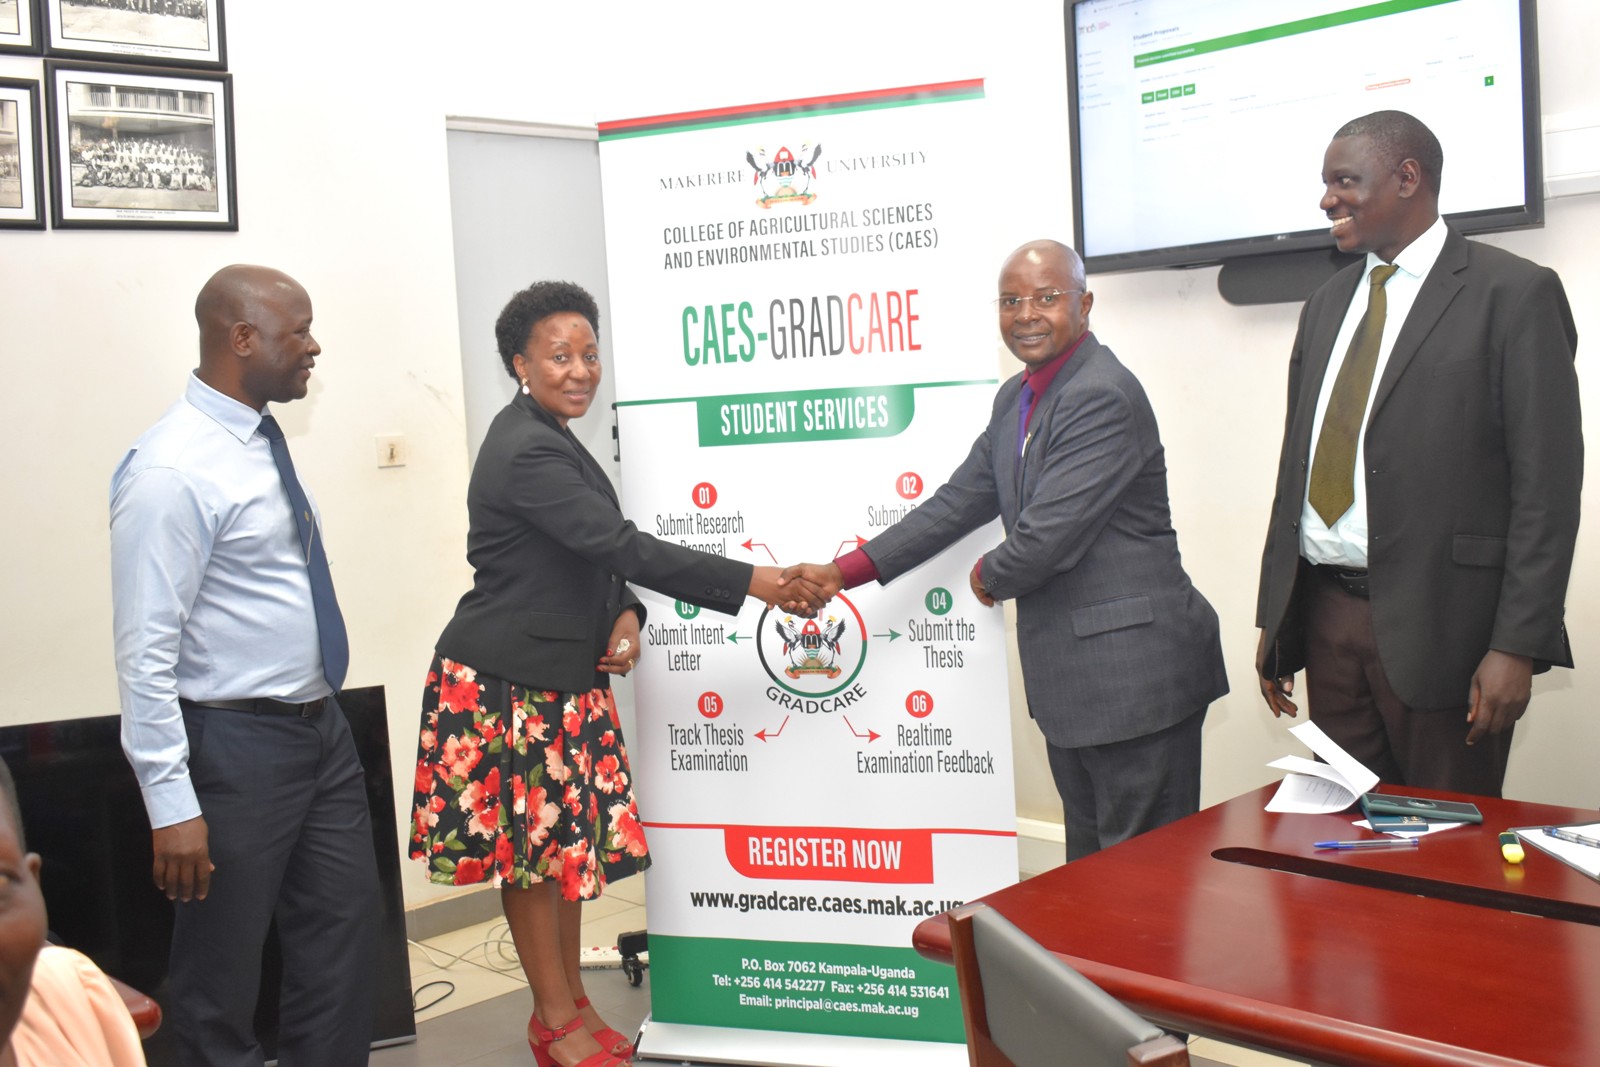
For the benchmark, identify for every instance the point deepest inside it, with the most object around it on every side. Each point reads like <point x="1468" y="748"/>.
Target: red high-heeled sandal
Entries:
<point x="540" y="1038"/>
<point x="614" y="1041"/>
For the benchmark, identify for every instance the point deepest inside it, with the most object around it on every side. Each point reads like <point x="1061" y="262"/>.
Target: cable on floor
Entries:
<point x="418" y="1009"/>
<point x="497" y="940"/>
<point x="500" y="956"/>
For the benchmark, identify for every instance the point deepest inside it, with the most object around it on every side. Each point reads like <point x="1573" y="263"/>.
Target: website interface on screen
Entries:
<point x="1206" y="120"/>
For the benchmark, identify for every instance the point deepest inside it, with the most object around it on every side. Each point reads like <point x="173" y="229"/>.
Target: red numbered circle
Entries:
<point x="704" y="495"/>
<point x="919" y="704"/>
<point x="709" y="705"/>
<point x="909" y="485"/>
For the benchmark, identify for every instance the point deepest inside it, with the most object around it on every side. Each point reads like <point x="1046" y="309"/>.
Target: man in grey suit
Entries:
<point x="1417" y="558"/>
<point x="1120" y="654"/>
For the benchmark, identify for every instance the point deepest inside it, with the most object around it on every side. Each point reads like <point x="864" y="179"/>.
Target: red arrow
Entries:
<point x="762" y="734"/>
<point x="748" y="547"/>
<point x="857" y="541"/>
<point x="871" y="735"/>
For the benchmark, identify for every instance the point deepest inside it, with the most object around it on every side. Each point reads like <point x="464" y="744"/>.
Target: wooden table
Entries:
<point x="1229" y="924"/>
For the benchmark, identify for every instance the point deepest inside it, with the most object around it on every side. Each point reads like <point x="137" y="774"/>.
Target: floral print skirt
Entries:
<point x="517" y="785"/>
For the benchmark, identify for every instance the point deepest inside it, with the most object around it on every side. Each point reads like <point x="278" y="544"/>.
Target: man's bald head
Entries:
<point x="236" y="294"/>
<point x="255" y="334"/>
<point x="1045" y="252"/>
<point x="1044" y="301"/>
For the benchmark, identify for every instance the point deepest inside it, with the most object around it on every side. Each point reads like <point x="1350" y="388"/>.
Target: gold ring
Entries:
<point x="630" y="664"/>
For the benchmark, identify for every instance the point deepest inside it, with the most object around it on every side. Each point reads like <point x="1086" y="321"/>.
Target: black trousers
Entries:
<point x="1111" y="792"/>
<point x="1349" y="697"/>
<point x="285" y="806"/>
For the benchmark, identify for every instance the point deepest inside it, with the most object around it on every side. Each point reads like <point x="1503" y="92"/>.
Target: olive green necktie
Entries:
<point x="1333" y="467"/>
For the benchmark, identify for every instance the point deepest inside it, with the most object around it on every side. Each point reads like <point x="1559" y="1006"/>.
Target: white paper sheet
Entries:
<point x="1432" y="828"/>
<point x="1312" y="788"/>
<point x="1585" y="858"/>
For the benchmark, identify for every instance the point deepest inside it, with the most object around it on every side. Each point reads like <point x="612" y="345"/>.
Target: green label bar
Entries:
<point x="1286" y="29"/>
<point x="808" y="988"/>
<point x="806" y="415"/>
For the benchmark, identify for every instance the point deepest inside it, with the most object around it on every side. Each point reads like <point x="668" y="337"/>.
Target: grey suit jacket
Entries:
<point x="1115" y="641"/>
<point x="550" y="550"/>
<point x="1474" y="455"/>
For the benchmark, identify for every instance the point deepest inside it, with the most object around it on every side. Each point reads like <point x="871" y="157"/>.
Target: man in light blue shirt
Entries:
<point x="228" y="658"/>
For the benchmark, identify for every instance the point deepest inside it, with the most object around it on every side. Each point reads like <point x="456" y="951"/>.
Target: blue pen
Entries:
<point x="1377" y="842"/>
<point x="1576" y="838"/>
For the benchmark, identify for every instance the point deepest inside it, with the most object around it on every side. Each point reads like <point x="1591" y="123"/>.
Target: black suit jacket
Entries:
<point x="550" y="551"/>
<point x="1115" y="641"/>
<point x="1474" y="456"/>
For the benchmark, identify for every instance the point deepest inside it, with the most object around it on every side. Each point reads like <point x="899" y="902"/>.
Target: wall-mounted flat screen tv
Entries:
<point x="1198" y="126"/>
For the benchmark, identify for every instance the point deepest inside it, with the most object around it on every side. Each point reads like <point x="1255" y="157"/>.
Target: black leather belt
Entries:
<point x="1351" y="581"/>
<point x="262" y="706"/>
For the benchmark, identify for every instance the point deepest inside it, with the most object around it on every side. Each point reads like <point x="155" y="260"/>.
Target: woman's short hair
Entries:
<point x="538" y="301"/>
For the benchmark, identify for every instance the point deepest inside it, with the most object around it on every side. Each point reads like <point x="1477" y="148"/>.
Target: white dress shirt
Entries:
<point x="1344" y="544"/>
<point x="211" y="598"/>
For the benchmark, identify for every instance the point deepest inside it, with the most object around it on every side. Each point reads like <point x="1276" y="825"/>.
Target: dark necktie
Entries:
<point x="1333" y="467"/>
<point x="330" y="623"/>
<point x="1024" y="409"/>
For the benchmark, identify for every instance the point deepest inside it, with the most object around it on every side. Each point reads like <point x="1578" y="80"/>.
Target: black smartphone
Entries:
<point x="1442" y="810"/>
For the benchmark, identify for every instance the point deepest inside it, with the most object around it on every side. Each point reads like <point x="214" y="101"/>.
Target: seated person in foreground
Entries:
<point x="57" y="1009"/>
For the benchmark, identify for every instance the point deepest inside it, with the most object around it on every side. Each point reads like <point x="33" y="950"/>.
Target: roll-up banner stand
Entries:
<point x="804" y="347"/>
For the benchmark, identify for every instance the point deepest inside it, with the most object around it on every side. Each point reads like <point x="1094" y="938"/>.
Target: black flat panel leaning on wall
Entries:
<point x="84" y="816"/>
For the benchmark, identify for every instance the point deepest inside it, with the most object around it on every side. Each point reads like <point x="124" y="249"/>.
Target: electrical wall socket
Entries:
<point x="391" y="450"/>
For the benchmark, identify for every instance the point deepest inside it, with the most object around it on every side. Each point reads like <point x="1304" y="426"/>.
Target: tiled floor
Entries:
<point x="487" y="965"/>
<point x="1217" y="1052"/>
<point x="479" y="1018"/>
<point x="474" y="1002"/>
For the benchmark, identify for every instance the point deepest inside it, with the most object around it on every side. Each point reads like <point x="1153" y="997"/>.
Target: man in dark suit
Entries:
<point x="1422" y="534"/>
<point x="1120" y="654"/>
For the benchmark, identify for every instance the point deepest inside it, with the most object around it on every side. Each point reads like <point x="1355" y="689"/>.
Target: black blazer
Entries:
<point x="1474" y="453"/>
<point x="1115" y="641"/>
<point x="550" y="551"/>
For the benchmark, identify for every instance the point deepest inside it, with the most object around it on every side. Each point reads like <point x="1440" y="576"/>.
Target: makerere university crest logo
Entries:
<point x="812" y="649"/>
<point x="785" y="179"/>
<point x="813" y="657"/>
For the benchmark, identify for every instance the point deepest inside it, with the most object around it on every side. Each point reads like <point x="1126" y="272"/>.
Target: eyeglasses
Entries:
<point x="1013" y="304"/>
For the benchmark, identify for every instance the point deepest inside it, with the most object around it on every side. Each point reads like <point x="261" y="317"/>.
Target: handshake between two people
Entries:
<point x="803" y="589"/>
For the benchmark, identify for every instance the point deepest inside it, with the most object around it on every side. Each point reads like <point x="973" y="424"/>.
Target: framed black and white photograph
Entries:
<point x="21" y="174"/>
<point x="134" y="148"/>
<point x="19" y="27"/>
<point x="169" y="33"/>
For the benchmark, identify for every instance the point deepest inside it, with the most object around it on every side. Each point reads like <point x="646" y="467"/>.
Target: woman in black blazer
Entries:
<point x="522" y="777"/>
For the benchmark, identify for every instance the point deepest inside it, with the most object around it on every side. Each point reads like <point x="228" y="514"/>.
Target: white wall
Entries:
<point x="342" y="182"/>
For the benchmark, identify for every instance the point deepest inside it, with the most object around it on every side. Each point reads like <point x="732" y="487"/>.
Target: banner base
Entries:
<point x="684" y="1043"/>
